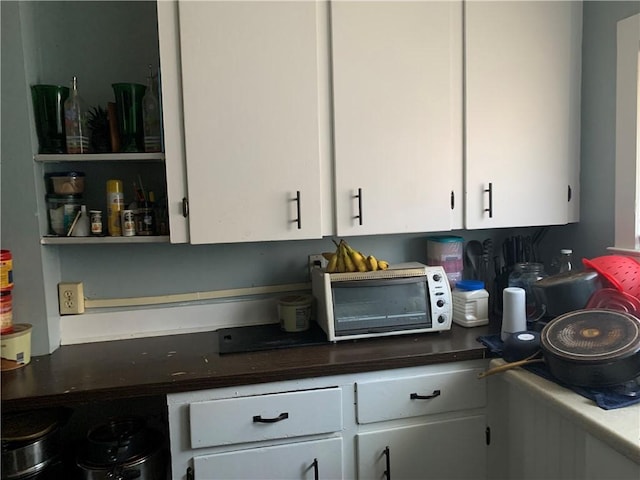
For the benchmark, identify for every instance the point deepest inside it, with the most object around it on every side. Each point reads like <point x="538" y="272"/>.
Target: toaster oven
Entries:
<point x="406" y="298"/>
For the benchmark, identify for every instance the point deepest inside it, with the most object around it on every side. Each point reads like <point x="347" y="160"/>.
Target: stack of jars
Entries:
<point x="6" y="285"/>
<point x="64" y="201"/>
<point x="15" y="350"/>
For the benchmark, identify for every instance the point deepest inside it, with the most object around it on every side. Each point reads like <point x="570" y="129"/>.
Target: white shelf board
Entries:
<point x="101" y="157"/>
<point x="103" y="240"/>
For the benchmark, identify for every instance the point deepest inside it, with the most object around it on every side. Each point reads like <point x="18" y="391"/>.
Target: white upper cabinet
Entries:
<point x="522" y="80"/>
<point x="397" y="90"/>
<point x="250" y="92"/>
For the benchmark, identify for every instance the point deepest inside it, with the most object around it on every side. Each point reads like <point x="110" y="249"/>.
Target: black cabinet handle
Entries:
<point x="415" y="396"/>
<point x="568" y="193"/>
<point x="387" y="454"/>
<point x="185" y="207"/>
<point x="359" y="197"/>
<point x="299" y="219"/>
<point x="316" y="474"/>
<point x="490" y="192"/>
<point x="279" y="418"/>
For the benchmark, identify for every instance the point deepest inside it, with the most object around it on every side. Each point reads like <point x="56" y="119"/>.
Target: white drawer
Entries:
<point x="264" y="417"/>
<point x="381" y="400"/>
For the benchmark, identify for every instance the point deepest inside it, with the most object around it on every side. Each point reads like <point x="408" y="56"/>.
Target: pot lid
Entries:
<point x="117" y="431"/>
<point x="26" y="426"/>
<point x="592" y="335"/>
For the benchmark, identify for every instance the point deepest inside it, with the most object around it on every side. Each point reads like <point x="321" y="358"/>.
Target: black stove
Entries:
<point x="256" y="338"/>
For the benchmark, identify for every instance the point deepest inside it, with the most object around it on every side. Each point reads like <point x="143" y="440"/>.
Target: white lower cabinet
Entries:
<point x="448" y="449"/>
<point x="317" y="459"/>
<point x="335" y="427"/>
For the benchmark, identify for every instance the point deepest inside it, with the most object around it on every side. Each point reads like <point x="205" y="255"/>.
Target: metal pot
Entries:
<point x="152" y="466"/>
<point x="30" y="442"/>
<point x="117" y="440"/>
<point x="566" y="292"/>
<point x="592" y="347"/>
<point x="121" y="449"/>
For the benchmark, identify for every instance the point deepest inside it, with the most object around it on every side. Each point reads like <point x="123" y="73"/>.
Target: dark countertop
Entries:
<point x="159" y="365"/>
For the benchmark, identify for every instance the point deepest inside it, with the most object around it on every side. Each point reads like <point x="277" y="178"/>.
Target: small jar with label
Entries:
<point x="295" y="312"/>
<point x="470" y="303"/>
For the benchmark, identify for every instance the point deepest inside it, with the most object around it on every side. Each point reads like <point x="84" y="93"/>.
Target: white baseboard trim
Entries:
<point x="168" y="320"/>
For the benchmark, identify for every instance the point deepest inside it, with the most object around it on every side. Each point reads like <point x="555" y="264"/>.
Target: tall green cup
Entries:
<point x="48" y="110"/>
<point x="129" y="108"/>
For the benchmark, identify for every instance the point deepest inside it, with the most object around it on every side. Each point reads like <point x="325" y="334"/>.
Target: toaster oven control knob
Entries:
<point x="440" y="304"/>
<point x="437" y="277"/>
<point x="441" y="319"/>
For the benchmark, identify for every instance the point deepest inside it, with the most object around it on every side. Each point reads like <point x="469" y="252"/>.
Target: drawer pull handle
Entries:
<point x="387" y="454"/>
<point x="490" y="192"/>
<point x="259" y="419"/>
<point x="315" y="469"/>
<point x="298" y="220"/>
<point x="359" y="197"/>
<point x="415" y="396"/>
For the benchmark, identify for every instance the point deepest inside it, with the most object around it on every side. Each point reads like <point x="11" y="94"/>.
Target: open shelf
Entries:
<point x="52" y="240"/>
<point x="100" y="157"/>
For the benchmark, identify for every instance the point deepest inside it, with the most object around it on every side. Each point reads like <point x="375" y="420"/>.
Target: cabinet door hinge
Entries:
<point x="487" y="435"/>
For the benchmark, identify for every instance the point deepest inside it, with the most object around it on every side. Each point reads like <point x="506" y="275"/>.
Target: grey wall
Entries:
<point x="121" y="270"/>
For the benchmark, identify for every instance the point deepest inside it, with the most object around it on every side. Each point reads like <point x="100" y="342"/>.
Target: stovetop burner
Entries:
<point x="267" y="337"/>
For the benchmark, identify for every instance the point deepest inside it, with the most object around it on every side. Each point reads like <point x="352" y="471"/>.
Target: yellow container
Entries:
<point x="115" y="204"/>
<point x="15" y="347"/>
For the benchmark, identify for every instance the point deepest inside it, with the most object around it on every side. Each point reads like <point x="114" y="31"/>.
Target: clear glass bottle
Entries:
<point x="564" y="262"/>
<point x="76" y="121"/>
<point x="524" y="275"/>
<point x="151" y="117"/>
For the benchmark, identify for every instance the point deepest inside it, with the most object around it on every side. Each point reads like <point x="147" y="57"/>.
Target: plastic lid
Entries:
<point x="446" y="239"/>
<point x="469" y="285"/>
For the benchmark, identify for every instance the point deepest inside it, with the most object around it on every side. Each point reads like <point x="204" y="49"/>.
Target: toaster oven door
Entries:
<point x="381" y="305"/>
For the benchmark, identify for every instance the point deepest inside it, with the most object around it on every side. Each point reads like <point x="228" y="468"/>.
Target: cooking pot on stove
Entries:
<point x="123" y="448"/>
<point x="589" y="348"/>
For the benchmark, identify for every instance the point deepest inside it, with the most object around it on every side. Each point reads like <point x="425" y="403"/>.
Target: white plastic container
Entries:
<point x="470" y="303"/>
<point x="294" y="312"/>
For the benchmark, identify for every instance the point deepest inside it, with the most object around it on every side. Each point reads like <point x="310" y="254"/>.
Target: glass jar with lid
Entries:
<point x="524" y="275"/>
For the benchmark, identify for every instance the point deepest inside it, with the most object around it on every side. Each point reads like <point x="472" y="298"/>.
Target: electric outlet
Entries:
<point x="71" y="298"/>
<point x="316" y="261"/>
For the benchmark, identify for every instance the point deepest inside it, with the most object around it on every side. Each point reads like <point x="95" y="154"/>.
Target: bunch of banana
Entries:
<point x="347" y="259"/>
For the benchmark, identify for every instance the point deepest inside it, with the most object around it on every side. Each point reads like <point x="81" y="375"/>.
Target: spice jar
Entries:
<point x="524" y="275"/>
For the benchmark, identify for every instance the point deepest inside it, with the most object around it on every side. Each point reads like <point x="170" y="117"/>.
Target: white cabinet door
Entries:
<point x="319" y="459"/>
<point x="451" y="449"/>
<point x="397" y="85"/>
<point x="522" y="80"/>
<point x="250" y="89"/>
